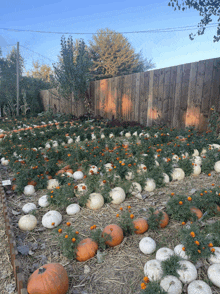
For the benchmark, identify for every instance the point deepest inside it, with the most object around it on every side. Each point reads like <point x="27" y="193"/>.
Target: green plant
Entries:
<point x="171" y="265"/>
<point x="126" y="221"/>
<point x="214" y="122"/>
<point x="152" y="288"/>
<point x="186" y="166"/>
<point x="157" y="219"/>
<point x="97" y="236"/>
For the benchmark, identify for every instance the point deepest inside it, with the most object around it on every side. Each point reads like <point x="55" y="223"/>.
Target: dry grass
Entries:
<point x="122" y="269"/>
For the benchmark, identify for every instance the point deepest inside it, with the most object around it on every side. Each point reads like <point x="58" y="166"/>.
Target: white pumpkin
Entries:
<point x="203" y="152"/>
<point x="166" y="178"/>
<point x="217" y="166"/>
<point x="157" y="163"/>
<point x="5" y="162"/>
<point x="178" y="250"/>
<point x="95" y="201"/>
<point x="135" y="188"/>
<point x="81" y="190"/>
<point x="47" y="146"/>
<point x="149" y="185"/>
<point x="128" y="135"/>
<point x="29" y="190"/>
<point x="102" y="136"/>
<point x="164" y="253"/>
<point x="197" y="160"/>
<point x="51" y="184"/>
<point x="175" y="158"/>
<point x="178" y="174"/>
<point x="118" y="195"/>
<point x="171" y="285"/>
<point x="153" y="270"/>
<point x="78" y="175"/>
<point x="188" y="273"/>
<point x="28" y="207"/>
<point x="108" y="166"/>
<point x="72" y="209"/>
<point x="196" y="170"/>
<point x="55" y="144"/>
<point x="129" y="176"/>
<point x="27" y="222"/>
<point x="111" y="135"/>
<point x="93" y="169"/>
<point x="141" y="168"/>
<point x="70" y="141"/>
<point x="147" y="245"/>
<point x="215" y="258"/>
<point x="199" y="287"/>
<point x="43" y="202"/>
<point x="213" y="274"/>
<point x="51" y="219"/>
<point x="195" y="153"/>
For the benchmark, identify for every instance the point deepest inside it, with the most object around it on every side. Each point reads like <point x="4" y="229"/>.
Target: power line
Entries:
<point x="37" y="53"/>
<point x="134" y="32"/>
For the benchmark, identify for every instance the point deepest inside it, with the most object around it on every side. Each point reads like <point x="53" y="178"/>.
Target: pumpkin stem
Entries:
<point x="41" y="270"/>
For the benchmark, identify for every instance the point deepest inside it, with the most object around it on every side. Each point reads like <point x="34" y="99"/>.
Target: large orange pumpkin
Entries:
<point x="165" y="220"/>
<point x="197" y="211"/>
<point x="33" y="183"/>
<point x="116" y="234"/>
<point x="86" y="249"/>
<point x="141" y="225"/>
<point x="2" y="136"/>
<point x="67" y="167"/>
<point x="50" y="278"/>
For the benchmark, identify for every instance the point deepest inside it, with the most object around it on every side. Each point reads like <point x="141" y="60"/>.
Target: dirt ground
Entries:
<point x="121" y="271"/>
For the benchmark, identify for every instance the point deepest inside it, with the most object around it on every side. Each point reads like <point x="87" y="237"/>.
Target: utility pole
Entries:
<point x="17" y="67"/>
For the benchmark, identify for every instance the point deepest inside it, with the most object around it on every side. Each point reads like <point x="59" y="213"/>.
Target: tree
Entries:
<point x="8" y="76"/>
<point x="112" y="55"/>
<point x="206" y="9"/>
<point x="73" y="72"/>
<point x="43" y="72"/>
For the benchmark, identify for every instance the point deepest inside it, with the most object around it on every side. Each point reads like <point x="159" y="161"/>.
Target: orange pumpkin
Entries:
<point x="86" y="249"/>
<point x="2" y="136"/>
<point x="140" y="225"/>
<point x="67" y="167"/>
<point x="49" y="177"/>
<point x="116" y="234"/>
<point x="164" y="222"/>
<point x="197" y="211"/>
<point x="69" y="171"/>
<point x="33" y="183"/>
<point x="49" y="278"/>
<point x="13" y="187"/>
<point x="61" y="171"/>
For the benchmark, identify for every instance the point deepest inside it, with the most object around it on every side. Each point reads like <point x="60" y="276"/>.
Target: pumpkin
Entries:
<point x="49" y="278"/>
<point x="43" y="202"/>
<point x="198" y="286"/>
<point x="29" y="190"/>
<point x="141" y="225"/>
<point x="217" y="166"/>
<point x="164" y="253"/>
<point x="196" y="170"/>
<point x="164" y="222"/>
<point x="153" y="270"/>
<point x="2" y="136"/>
<point x="147" y="245"/>
<point x="95" y="201"/>
<point x="178" y="174"/>
<point x="197" y="211"/>
<point x="28" y="207"/>
<point x="27" y="222"/>
<point x="73" y="209"/>
<point x="77" y="175"/>
<point x="171" y="284"/>
<point x="51" y="217"/>
<point x="213" y="274"/>
<point x="116" y="234"/>
<point x="149" y="185"/>
<point x="51" y="184"/>
<point x="33" y="183"/>
<point x="86" y="249"/>
<point x="166" y="178"/>
<point x="135" y="188"/>
<point x="178" y="250"/>
<point x="188" y="272"/>
<point x="118" y="195"/>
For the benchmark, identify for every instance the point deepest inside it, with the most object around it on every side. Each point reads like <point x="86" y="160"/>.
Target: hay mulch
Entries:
<point x="121" y="271"/>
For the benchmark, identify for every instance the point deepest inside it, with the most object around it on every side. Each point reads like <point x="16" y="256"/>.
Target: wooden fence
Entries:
<point x="178" y="96"/>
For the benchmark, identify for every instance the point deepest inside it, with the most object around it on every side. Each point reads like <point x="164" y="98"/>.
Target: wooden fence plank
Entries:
<point x="177" y="97"/>
<point x="166" y="94"/>
<point x="150" y="99"/>
<point x="160" y="95"/>
<point x="205" y="107"/>
<point x="136" y="98"/>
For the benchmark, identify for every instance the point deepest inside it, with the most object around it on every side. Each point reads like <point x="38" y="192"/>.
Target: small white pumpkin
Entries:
<point x="108" y="166"/>
<point x="217" y="166"/>
<point x="118" y="195"/>
<point x="47" y="146"/>
<point x="81" y="190"/>
<point x="195" y="153"/>
<point x="188" y="273"/>
<point x="141" y="168"/>
<point x="52" y="183"/>
<point x="51" y="219"/>
<point x="102" y="136"/>
<point x="149" y="185"/>
<point x="214" y="273"/>
<point x="129" y="176"/>
<point x="147" y="245"/>
<point x="111" y="135"/>
<point x="5" y="162"/>
<point x="128" y="135"/>
<point x="28" y="207"/>
<point x="215" y="258"/>
<point x="95" y="201"/>
<point x="196" y="170"/>
<point x="70" y="141"/>
<point x="135" y="188"/>
<point x="153" y="270"/>
<point x="55" y="144"/>
<point x="166" y="178"/>
<point x="157" y="163"/>
<point x="72" y="209"/>
<point x="175" y="158"/>
<point x="93" y="169"/>
<point x="197" y="160"/>
<point x="200" y="287"/>
<point x="171" y="285"/>
<point x="43" y="202"/>
<point x="178" y="250"/>
<point x="164" y="253"/>
<point x="27" y="222"/>
<point x="178" y="174"/>
<point x="78" y="175"/>
<point x="29" y="190"/>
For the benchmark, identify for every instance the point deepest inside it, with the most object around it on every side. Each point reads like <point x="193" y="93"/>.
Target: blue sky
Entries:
<point x="165" y="49"/>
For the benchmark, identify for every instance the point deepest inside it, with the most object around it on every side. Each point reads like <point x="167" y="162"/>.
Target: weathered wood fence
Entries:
<point x="178" y="96"/>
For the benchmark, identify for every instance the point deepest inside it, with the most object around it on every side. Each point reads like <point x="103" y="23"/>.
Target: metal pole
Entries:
<point x="17" y="67"/>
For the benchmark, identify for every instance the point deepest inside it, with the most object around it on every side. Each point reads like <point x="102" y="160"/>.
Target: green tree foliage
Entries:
<point x="112" y="55"/>
<point x="206" y="9"/>
<point x="72" y="74"/>
<point x="43" y="72"/>
<point x="8" y="78"/>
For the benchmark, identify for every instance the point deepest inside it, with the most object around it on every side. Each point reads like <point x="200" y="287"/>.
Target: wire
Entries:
<point x="135" y="32"/>
<point x="37" y="53"/>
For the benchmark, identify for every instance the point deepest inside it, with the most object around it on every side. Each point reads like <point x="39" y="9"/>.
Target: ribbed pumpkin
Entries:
<point x="50" y="278"/>
<point x="116" y="233"/>
<point x="140" y="225"/>
<point x="165" y="220"/>
<point x="33" y="183"/>
<point x="86" y="249"/>
<point x="197" y="211"/>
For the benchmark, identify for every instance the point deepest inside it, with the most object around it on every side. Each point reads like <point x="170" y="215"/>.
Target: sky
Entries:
<point x="164" y="49"/>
